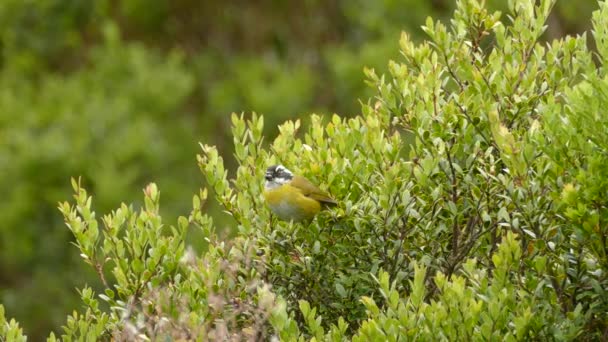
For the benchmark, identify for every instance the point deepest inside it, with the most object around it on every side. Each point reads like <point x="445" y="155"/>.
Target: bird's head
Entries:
<point x="277" y="175"/>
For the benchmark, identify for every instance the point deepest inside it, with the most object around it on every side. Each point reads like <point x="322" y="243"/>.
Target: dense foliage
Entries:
<point x="472" y="195"/>
<point x="120" y="92"/>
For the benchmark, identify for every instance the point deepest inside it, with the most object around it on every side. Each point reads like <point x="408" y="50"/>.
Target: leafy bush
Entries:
<point x="472" y="205"/>
<point x="441" y="165"/>
<point x="160" y="288"/>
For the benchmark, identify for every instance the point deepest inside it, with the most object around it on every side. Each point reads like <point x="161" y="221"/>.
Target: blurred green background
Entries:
<point x="121" y="92"/>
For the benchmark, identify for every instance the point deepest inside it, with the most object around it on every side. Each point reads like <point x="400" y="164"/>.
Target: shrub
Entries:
<point x="471" y="194"/>
<point x="443" y="163"/>
<point x="160" y="289"/>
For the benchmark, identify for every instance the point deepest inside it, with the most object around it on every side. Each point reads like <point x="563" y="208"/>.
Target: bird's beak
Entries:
<point x="268" y="176"/>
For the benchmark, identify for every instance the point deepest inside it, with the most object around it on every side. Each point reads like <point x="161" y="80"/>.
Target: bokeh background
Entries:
<point x="120" y="92"/>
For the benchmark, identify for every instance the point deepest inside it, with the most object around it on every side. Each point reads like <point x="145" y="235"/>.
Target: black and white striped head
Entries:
<point x="277" y="175"/>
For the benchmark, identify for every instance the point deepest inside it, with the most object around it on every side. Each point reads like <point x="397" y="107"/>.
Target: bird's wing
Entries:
<point x="310" y="190"/>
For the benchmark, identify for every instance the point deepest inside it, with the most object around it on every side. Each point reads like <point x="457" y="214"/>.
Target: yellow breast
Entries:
<point x="288" y="203"/>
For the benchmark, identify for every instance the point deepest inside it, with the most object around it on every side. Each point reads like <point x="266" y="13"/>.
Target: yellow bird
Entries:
<point x="291" y="197"/>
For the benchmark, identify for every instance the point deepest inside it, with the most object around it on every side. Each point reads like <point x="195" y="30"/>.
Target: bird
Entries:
<point x="291" y="197"/>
